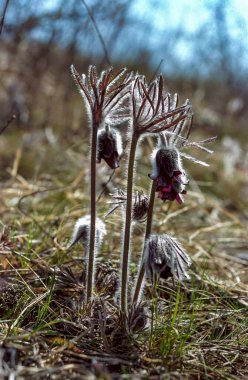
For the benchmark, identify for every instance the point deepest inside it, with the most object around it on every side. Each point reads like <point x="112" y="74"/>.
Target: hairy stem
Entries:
<point x="90" y="262"/>
<point x="140" y="277"/>
<point x="128" y="222"/>
<point x="154" y="309"/>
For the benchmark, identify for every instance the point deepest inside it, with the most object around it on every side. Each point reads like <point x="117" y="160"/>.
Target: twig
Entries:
<point x="105" y="185"/>
<point x="3" y="16"/>
<point x="9" y="121"/>
<point x="156" y="70"/>
<point x="97" y="31"/>
<point x="211" y="228"/>
<point x="176" y="213"/>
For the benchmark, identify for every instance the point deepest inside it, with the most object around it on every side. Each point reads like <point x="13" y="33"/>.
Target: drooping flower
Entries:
<point x="171" y="177"/>
<point x="165" y="258"/>
<point x="167" y="165"/>
<point x="109" y="146"/>
<point x="81" y="232"/>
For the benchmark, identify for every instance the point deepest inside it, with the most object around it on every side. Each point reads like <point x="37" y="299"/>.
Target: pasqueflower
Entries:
<point x="165" y="258"/>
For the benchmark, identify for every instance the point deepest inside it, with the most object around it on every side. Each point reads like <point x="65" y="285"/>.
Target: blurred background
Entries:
<point x="200" y="47"/>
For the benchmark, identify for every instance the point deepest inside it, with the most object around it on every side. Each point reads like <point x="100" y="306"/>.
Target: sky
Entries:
<point x="192" y="16"/>
<point x="171" y="30"/>
<point x="166" y="13"/>
<point x="189" y="13"/>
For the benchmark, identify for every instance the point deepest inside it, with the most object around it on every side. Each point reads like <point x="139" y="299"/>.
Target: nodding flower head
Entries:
<point x="109" y="146"/>
<point x="81" y="231"/>
<point x="140" y="204"/>
<point x="167" y="164"/>
<point x="165" y="258"/>
<point x="170" y="175"/>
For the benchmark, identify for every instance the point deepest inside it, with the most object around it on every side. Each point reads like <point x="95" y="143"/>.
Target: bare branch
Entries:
<point x="3" y="16"/>
<point x="97" y="31"/>
<point x="9" y="121"/>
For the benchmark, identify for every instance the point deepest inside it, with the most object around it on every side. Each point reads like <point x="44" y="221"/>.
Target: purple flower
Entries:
<point x="109" y="146"/>
<point x="170" y="175"/>
<point x="167" y="163"/>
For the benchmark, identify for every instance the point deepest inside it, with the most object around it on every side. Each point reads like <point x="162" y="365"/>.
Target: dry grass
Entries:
<point x="199" y="329"/>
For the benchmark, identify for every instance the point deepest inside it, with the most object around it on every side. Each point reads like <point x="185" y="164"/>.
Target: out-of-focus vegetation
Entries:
<point x="40" y="41"/>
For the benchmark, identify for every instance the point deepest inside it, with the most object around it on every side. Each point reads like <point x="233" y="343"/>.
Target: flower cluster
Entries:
<point x="112" y="99"/>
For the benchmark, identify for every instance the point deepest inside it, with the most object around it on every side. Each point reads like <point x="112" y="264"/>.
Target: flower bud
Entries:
<point x="81" y="231"/>
<point x="166" y="258"/>
<point x="140" y="204"/>
<point x="109" y="146"/>
<point x="168" y="170"/>
<point x="140" y="207"/>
